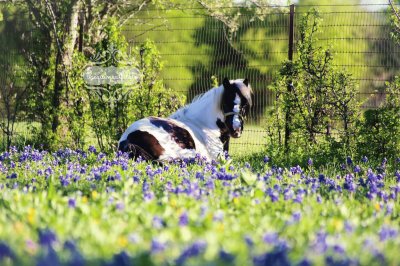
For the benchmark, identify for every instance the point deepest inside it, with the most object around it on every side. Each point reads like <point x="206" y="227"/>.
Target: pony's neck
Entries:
<point x="203" y="111"/>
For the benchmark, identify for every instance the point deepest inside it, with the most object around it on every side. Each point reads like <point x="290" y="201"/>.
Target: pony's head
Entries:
<point x="235" y="104"/>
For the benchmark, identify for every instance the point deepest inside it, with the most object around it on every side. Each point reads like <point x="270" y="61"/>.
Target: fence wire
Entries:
<point x="195" y="46"/>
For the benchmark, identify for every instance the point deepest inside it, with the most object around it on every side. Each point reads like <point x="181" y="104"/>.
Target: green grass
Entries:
<point x="152" y="213"/>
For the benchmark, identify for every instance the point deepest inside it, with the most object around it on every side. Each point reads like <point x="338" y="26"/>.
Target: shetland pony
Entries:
<point x="202" y="127"/>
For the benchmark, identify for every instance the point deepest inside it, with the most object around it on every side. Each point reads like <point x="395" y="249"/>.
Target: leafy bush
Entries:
<point x="114" y="107"/>
<point x="380" y="130"/>
<point x="315" y="109"/>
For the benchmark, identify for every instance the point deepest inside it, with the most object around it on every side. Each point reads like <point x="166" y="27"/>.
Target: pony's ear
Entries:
<point x="226" y="83"/>
<point x="246" y="82"/>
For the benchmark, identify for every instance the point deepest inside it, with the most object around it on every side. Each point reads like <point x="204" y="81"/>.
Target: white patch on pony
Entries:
<point x="199" y="119"/>
<point x="236" y="109"/>
<point x="201" y="116"/>
<point x="171" y="149"/>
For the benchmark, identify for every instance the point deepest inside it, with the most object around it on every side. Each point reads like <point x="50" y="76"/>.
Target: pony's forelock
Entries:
<point x="245" y="90"/>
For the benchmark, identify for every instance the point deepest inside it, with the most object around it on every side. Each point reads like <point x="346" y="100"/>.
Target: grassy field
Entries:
<point x="84" y="208"/>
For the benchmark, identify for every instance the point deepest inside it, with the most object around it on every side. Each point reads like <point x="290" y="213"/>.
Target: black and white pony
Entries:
<point x="203" y="127"/>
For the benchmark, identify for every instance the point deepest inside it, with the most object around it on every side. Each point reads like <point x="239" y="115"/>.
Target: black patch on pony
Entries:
<point x="143" y="144"/>
<point x="225" y="136"/>
<point x="228" y="98"/>
<point x="181" y="136"/>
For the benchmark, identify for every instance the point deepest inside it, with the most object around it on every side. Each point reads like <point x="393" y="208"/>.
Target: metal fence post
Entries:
<point x="81" y="24"/>
<point x="288" y="117"/>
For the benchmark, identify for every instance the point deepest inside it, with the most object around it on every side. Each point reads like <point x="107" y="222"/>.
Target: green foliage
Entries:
<point x="114" y="107"/>
<point x="380" y="130"/>
<point x="395" y="22"/>
<point x="151" y="98"/>
<point x="315" y="109"/>
<point x="94" y="212"/>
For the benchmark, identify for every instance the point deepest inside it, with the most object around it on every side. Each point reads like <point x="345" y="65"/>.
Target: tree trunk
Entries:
<point x="65" y="52"/>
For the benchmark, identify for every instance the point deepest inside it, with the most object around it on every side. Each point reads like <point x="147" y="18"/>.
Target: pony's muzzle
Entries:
<point x="237" y="133"/>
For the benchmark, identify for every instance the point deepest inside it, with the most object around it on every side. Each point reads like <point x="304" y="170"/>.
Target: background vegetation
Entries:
<point x="182" y="48"/>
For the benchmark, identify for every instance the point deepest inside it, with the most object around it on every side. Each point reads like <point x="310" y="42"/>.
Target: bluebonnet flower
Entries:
<point x="299" y="198"/>
<point x="304" y="262"/>
<point x="226" y="256"/>
<point x="266" y="159"/>
<point x="5" y="251"/>
<point x="320" y="245"/>
<point x="50" y="258"/>
<point x="12" y="176"/>
<point x="157" y="246"/>
<point x="270" y="238"/>
<point x="158" y="223"/>
<point x="348" y="227"/>
<point x="274" y="195"/>
<point x="210" y="184"/>
<point x="193" y="250"/>
<point x="218" y="216"/>
<point x="120" y="206"/>
<point x="337" y="248"/>
<point x="278" y="256"/>
<point x="249" y="241"/>
<point x="319" y="198"/>
<point x="384" y="161"/>
<point x="357" y="169"/>
<point x="310" y="162"/>
<point x="389" y="208"/>
<point x="183" y="219"/>
<point x="92" y="149"/>
<point x="364" y="159"/>
<point x="331" y="261"/>
<point x="387" y="232"/>
<point x="397" y="175"/>
<point x="71" y="203"/>
<point x="47" y="237"/>
<point x="349" y="161"/>
<point x="296" y="216"/>
<point x="121" y="259"/>
<point x="76" y="257"/>
<point x="288" y="194"/>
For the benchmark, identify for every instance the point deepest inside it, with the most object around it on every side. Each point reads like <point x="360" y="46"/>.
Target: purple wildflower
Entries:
<point x="193" y="250"/>
<point x="387" y="232"/>
<point x="226" y="256"/>
<point x="183" y="219"/>
<point x="47" y="237"/>
<point x="248" y="241"/>
<point x="157" y="246"/>
<point x="92" y="149"/>
<point x="278" y="256"/>
<point x="5" y="251"/>
<point x="71" y="203"/>
<point x="349" y="161"/>
<point x="357" y="169"/>
<point x="270" y="238"/>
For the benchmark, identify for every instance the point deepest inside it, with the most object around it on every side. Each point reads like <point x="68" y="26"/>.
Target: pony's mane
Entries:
<point x="216" y="94"/>
<point x="201" y="97"/>
<point x="245" y="90"/>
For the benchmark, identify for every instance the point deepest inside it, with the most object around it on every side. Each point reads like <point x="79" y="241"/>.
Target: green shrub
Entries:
<point x="315" y="109"/>
<point x="380" y="129"/>
<point x="114" y="107"/>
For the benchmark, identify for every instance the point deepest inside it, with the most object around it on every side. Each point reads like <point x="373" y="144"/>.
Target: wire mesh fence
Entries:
<point x="196" y="46"/>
